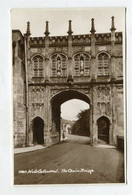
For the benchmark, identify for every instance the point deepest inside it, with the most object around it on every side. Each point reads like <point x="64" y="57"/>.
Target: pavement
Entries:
<point x="28" y="149"/>
<point x="105" y="146"/>
<point x="72" y="138"/>
<point x="32" y="148"/>
<point x="71" y="162"/>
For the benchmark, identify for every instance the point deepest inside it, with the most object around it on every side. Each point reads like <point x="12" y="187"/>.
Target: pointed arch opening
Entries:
<point x="38" y="131"/>
<point x="57" y="102"/>
<point x="103" y="124"/>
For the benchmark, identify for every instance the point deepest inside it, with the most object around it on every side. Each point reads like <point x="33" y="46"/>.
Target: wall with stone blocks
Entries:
<point x="19" y="104"/>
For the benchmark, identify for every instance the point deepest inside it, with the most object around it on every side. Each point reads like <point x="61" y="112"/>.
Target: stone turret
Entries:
<point x="113" y="68"/>
<point x="92" y="26"/>
<point x="47" y="29"/>
<point x="70" y="53"/>
<point x="27" y="38"/>
<point x="113" y="24"/>
<point x="47" y="72"/>
<point x="70" y="28"/>
<point x="47" y="37"/>
<point x="28" y="29"/>
<point x="112" y="31"/>
<point x="93" y="73"/>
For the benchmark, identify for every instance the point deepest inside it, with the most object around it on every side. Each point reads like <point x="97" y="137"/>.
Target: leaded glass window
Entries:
<point x="38" y="66"/>
<point x="103" y="64"/>
<point x="59" y="65"/>
<point x="82" y="64"/>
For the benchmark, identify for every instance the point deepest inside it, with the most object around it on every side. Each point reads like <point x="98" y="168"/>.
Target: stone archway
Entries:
<point x="56" y="103"/>
<point x="103" y="124"/>
<point x="38" y="131"/>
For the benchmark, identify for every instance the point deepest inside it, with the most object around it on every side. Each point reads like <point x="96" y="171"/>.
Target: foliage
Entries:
<point x="81" y="126"/>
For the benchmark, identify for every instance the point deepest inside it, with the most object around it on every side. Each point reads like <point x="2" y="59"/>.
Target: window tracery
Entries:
<point x="82" y="64"/>
<point x="38" y="66"/>
<point x="103" y="64"/>
<point x="59" y="65"/>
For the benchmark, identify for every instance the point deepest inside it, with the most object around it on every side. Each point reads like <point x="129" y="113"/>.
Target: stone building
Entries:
<point x="49" y="70"/>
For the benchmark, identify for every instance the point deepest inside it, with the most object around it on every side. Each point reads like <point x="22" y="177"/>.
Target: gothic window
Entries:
<point x="82" y="64"/>
<point x="103" y="64"/>
<point x="38" y="66"/>
<point x="59" y="64"/>
<point x="77" y="65"/>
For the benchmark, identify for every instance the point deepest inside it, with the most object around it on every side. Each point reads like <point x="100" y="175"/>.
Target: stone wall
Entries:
<point x="19" y="104"/>
<point x="19" y="95"/>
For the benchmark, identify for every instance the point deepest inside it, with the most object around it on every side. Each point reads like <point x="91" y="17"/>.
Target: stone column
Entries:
<point x="94" y="138"/>
<point x="113" y="125"/>
<point x="93" y="69"/>
<point x="47" y="117"/>
<point x="47" y="68"/>
<point x="30" y="134"/>
<point x="113" y="68"/>
<point x="93" y="75"/>
<point x="70" y="53"/>
<point x="91" y="124"/>
<point x="27" y="65"/>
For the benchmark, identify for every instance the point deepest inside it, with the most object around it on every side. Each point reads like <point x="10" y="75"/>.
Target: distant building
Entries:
<point x="49" y="70"/>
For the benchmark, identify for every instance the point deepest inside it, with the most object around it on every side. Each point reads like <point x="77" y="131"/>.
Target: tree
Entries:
<point x="81" y="126"/>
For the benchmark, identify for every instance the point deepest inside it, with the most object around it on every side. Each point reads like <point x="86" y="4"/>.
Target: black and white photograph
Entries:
<point x="68" y="71"/>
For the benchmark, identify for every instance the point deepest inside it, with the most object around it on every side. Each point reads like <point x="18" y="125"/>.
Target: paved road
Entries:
<point x="65" y="158"/>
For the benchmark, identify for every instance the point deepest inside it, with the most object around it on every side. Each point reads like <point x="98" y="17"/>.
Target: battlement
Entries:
<point x="85" y="39"/>
<point x="34" y="41"/>
<point x="58" y="40"/>
<point x="105" y="38"/>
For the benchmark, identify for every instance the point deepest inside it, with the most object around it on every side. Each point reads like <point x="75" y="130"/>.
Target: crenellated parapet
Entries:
<point x="118" y="37"/>
<point x="103" y="39"/>
<point x="82" y="40"/>
<point x="77" y="40"/>
<point x="37" y="41"/>
<point x="58" y="41"/>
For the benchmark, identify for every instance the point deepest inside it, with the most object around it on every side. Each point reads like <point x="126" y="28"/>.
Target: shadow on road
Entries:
<point x="76" y="139"/>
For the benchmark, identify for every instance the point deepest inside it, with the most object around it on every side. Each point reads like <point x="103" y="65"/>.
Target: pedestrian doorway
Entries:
<point x="103" y="129"/>
<point x="38" y="131"/>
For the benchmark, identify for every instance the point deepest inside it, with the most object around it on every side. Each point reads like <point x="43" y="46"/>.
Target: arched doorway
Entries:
<point x="56" y="103"/>
<point x="103" y="129"/>
<point x="38" y="131"/>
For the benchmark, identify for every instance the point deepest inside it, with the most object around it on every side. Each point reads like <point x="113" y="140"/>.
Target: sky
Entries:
<point x="58" y="20"/>
<point x="76" y="105"/>
<point x="58" y="26"/>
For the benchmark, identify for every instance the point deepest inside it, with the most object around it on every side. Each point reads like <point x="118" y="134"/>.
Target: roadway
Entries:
<point x="71" y="162"/>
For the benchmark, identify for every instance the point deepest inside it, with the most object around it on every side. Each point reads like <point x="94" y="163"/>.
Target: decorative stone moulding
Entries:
<point x="38" y="104"/>
<point x="37" y="89"/>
